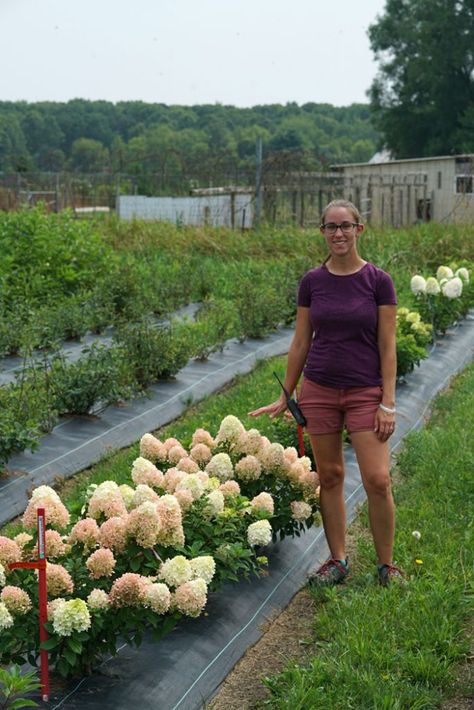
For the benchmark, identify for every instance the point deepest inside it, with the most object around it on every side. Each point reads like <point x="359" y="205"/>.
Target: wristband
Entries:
<point x="388" y="410"/>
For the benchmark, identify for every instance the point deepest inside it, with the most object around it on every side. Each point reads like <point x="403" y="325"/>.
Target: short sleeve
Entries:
<point x="385" y="292"/>
<point x="304" y="291"/>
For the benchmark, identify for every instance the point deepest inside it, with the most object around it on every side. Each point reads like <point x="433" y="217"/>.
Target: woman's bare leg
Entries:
<point x="373" y="458"/>
<point x="327" y="450"/>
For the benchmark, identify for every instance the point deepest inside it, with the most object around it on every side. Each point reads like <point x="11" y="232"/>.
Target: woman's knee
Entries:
<point x="378" y="484"/>
<point x="331" y="476"/>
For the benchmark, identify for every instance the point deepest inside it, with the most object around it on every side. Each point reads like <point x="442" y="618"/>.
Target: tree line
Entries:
<point x="179" y="143"/>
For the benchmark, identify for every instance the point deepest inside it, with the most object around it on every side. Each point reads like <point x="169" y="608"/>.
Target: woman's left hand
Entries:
<point x="384" y="425"/>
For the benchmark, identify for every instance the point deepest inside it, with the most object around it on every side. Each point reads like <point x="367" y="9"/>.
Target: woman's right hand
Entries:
<point x="273" y="409"/>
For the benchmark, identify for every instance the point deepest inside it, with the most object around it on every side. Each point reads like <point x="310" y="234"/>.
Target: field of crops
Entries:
<point x="61" y="278"/>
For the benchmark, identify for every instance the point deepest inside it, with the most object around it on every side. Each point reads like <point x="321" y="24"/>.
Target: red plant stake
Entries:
<point x="40" y="565"/>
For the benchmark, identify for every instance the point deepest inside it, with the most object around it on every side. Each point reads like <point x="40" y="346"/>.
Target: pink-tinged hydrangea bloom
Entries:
<point x="230" y="430"/>
<point x="300" y="510"/>
<point x="85" y="532"/>
<point x="56" y="513"/>
<point x="215" y="503"/>
<point x="176" y="571"/>
<point x="295" y="472"/>
<point x="170" y="442"/>
<point x="127" y="493"/>
<point x="203" y="567"/>
<point x="9" y="551"/>
<point x="152" y="448"/>
<point x="55" y="546"/>
<point x="176" y="453"/>
<point x="230" y="488"/>
<point x="290" y="454"/>
<point x="202" y="436"/>
<point x="3" y="577"/>
<point x="184" y="498"/>
<point x="158" y="597"/>
<point x="98" y="599"/>
<point x="129" y="590"/>
<point x="248" y="469"/>
<point x="187" y="464"/>
<point x="305" y="461"/>
<point x="106" y="501"/>
<point x="144" y="494"/>
<point x="6" y="619"/>
<point x="53" y="605"/>
<point x="71" y="616"/>
<point x="201" y="453"/>
<point x="144" y="471"/>
<point x="16" y="600"/>
<point x="248" y="443"/>
<point x="272" y="459"/>
<point x="259" y="533"/>
<point x="190" y="598"/>
<point x="309" y="482"/>
<point x="143" y="525"/>
<point x="58" y="580"/>
<point x="221" y="467"/>
<point x="101" y="563"/>
<point x="263" y="501"/>
<point x="113" y="533"/>
<point x="171" y="518"/>
<point x="192" y="483"/>
<point x="172" y="478"/>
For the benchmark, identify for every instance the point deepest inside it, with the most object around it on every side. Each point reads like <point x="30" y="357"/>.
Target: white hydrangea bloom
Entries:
<point x="203" y="567"/>
<point x="230" y="430"/>
<point x="220" y="466"/>
<point x="444" y="272"/>
<point x="71" y="616"/>
<point x="6" y="619"/>
<point x="127" y="493"/>
<point x="413" y="317"/>
<point x="418" y="284"/>
<point x="98" y="599"/>
<point x="215" y="502"/>
<point x="3" y="579"/>
<point x="259" y="533"/>
<point x="452" y="288"/>
<point x="158" y="597"/>
<point x="191" y="482"/>
<point x="144" y="494"/>
<point x="176" y="571"/>
<point x="44" y="492"/>
<point x="463" y="274"/>
<point x="432" y="286"/>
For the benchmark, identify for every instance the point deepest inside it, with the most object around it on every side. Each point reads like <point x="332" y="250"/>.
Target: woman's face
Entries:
<point x="343" y="240"/>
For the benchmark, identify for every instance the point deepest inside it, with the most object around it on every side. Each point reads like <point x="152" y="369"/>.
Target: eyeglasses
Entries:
<point x="345" y="227"/>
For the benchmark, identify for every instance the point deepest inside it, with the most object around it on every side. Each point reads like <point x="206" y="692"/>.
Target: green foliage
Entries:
<point x="413" y="336"/>
<point x="153" y="351"/>
<point x="12" y="684"/>
<point x="422" y="98"/>
<point x="19" y="428"/>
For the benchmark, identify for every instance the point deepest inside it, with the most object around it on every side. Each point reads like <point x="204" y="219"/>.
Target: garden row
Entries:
<point x="127" y="557"/>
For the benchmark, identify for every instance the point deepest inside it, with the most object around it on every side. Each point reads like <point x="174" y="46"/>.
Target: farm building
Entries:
<point x="402" y="192"/>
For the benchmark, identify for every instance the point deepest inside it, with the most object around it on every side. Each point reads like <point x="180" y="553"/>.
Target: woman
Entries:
<point x="344" y="342"/>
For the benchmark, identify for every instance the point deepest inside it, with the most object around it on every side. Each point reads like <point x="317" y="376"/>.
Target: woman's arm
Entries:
<point x="297" y="354"/>
<point x="386" y="341"/>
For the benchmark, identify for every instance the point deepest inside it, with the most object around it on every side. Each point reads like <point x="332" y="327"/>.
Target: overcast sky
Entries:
<point x="239" y="52"/>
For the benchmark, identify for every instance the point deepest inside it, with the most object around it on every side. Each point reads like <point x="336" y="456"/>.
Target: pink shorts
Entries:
<point x="327" y="409"/>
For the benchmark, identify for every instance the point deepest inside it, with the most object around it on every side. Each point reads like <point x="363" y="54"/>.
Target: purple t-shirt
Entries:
<point x="343" y="311"/>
